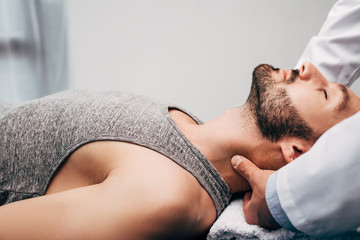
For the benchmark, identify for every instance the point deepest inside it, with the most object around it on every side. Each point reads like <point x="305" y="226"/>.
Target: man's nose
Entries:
<point x="308" y="72"/>
<point x="305" y="71"/>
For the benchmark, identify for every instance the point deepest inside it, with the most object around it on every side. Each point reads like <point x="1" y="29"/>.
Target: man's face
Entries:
<point x="319" y="103"/>
<point x="273" y="109"/>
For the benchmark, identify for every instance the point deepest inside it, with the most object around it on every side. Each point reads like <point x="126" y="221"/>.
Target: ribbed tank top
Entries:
<point x="37" y="136"/>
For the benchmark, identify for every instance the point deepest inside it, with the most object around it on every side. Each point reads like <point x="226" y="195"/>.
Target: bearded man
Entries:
<point x="113" y="165"/>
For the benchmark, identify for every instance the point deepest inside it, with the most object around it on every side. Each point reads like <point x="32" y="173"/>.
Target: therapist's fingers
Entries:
<point x="255" y="207"/>
<point x="246" y="206"/>
<point x="247" y="199"/>
<point x="245" y="167"/>
<point x="247" y="202"/>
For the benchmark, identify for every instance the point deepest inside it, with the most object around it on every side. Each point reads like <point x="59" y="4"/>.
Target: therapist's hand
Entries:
<point x="255" y="208"/>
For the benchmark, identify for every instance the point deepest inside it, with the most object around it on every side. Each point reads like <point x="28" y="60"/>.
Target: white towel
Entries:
<point x="231" y="225"/>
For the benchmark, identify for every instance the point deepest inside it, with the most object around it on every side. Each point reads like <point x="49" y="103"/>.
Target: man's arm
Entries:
<point x="118" y="208"/>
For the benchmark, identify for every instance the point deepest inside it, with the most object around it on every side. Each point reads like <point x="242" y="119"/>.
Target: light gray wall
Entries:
<point x="198" y="54"/>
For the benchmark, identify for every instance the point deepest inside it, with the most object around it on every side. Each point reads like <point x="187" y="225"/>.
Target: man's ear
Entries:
<point x="293" y="147"/>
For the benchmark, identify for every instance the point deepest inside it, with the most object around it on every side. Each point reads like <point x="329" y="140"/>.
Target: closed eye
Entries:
<point x="325" y="93"/>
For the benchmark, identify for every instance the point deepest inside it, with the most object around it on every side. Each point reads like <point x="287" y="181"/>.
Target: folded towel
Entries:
<point x="231" y="225"/>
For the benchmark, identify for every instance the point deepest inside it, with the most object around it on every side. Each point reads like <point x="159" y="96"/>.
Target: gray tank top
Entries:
<point x="36" y="137"/>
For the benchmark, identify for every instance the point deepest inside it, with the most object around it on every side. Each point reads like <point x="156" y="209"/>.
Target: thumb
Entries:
<point x="244" y="166"/>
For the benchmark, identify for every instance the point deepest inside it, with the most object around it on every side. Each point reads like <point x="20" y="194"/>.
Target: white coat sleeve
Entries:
<point x="319" y="193"/>
<point x="335" y="51"/>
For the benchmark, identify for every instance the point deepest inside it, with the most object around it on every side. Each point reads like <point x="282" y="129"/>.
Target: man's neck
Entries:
<point x="234" y="132"/>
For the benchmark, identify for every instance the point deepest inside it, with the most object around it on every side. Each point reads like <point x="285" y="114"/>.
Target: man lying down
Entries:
<point x="112" y="165"/>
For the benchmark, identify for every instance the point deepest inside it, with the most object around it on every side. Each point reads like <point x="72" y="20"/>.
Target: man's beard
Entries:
<point x="264" y="87"/>
<point x="272" y="108"/>
<point x="263" y="80"/>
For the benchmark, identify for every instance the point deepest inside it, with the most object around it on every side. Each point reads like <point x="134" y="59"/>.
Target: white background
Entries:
<point x="198" y="54"/>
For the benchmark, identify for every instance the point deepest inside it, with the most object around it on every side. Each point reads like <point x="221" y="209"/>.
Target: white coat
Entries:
<point x="319" y="192"/>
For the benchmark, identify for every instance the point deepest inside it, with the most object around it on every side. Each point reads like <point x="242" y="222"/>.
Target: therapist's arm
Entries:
<point x="335" y="51"/>
<point x="318" y="193"/>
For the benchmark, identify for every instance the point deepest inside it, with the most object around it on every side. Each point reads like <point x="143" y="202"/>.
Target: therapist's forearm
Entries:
<point x="274" y="204"/>
<point x="335" y="51"/>
<point x="320" y="190"/>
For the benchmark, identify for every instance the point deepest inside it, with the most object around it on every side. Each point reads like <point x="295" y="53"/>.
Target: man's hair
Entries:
<point x="273" y="109"/>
